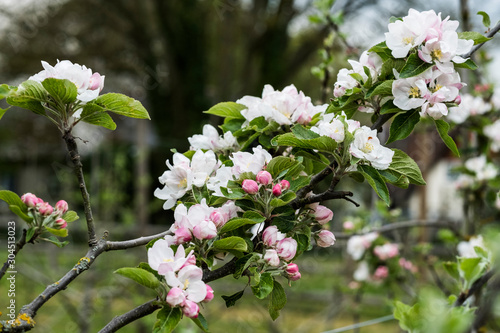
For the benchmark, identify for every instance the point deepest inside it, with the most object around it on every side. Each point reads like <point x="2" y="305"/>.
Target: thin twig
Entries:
<point x="78" y="169"/>
<point x="327" y="195"/>
<point x="141" y="311"/>
<point x="490" y="34"/>
<point x="476" y="286"/>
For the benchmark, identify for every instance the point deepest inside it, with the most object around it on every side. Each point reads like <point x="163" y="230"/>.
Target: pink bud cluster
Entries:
<point x="386" y="251"/>
<point x="42" y="208"/>
<point x="264" y="178"/>
<point x="278" y="246"/>
<point x="182" y="276"/>
<point x="381" y="273"/>
<point x="323" y="215"/>
<point x="408" y="265"/>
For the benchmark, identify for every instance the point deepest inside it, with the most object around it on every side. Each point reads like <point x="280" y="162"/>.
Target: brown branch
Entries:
<point x="134" y="314"/>
<point x="122" y="245"/>
<point x="476" y="286"/>
<point x="381" y="120"/>
<point x="490" y="34"/>
<point x="327" y="195"/>
<point x="227" y="269"/>
<point x="402" y="225"/>
<point x="314" y="180"/>
<point x="78" y="169"/>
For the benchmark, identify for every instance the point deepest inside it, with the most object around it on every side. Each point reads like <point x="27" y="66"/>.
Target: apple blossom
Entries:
<point x="210" y="294"/>
<point x="466" y="249"/>
<point x="367" y="146"/>
<point x="357" y="244"/>
<point x="45" y="209"/>
<point x="386" y="251"/>
<point x="362" y="273"/>
<point x="29" y="199"/>
<point x="482" y="169"/>
<point x="205" y="229"/>
<point x="190" y="309"/>
<point x="247" y="162"/>
<point x="176" y="297"/>
<point x="493" y="132"/>
<point x="61" y="207"/>
<point x="250" y="186"/>
<point x="323" y="214"/>
<point x="182" y="235"/>
<point x="211" y="140"/>
<point x="382" y="272"/>
<point x="285" y="184"/>
<point x="277" y="190"/>
<point x="409" y="93"/>
<point x="287" y="248"/>
<point x="264" y="177"/>
<point x="61" y="223"/>
<point x="348" y="225"/>
<point x="325" y="238"/>
<point x="271" y="257"/>
<point x="271" y="235"/>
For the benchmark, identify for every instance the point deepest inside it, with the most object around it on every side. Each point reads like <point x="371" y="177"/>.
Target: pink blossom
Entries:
<point x="190" y="309"/>
<point x="287" y="248"/>
<point x="45" y="209"/>
<point x="295" y="276"/>
<point x="182" y="235"/>
<point x="264" y="177"/>
<point x="292" y="271"/>
<point x="386" y="251"/>
<point x="96" y="82"/>
<point x="323" y="214"/>
<point x="250" y="186"/>
<point x="210" y="294"/>
<point x="189" y="279"/>
<point x="271" y="235"/>
<point x="29" y="199"/>
<point x="325" y="238"/>
<point x="285" y="184"/>
<point x="271" y="256"/>
<point x="348" y="225"/>
<point x="217" y="218"/>
<point x="176" y="297"/>
<point x="205" y="229"/>
<point x="408" y="265"/>
<point x="61" y="223"/>
<point x="61" y="207"/>
<point x="381" y="273"/>
<point x="277" y="190"/>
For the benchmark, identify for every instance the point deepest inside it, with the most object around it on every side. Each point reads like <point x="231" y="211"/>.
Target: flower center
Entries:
<point x="408" y="40"/>
<point x="182" y="183"/>
<point x="168" y="260"/>
<point x="436" y="88"/>
<point x="186" y="284"/>
<point x="414" y="92"/>
<point x="436" y="54"/>
<point x="368" y="146"/>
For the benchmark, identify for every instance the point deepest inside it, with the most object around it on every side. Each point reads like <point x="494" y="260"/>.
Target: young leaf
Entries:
<point x="486" y="18"/>
<point x="376" y="182"/>
<point x="54" y="241"/>
<point x="265" y="286"/>
<point x="15" y="204"/>
<point x="201" y="322"/>
<point x="473" y="35"/>
<point x="414" y="66"/>
<point x="243" y="263"/>
<point x="96" y="115"/>
<point x="237" y="222"/>
<point x="470" y="269"/>
<point x="443" y="128"/>
<point x="283" y="200"/>
<point x="405" y="165"/>
<point x="382" y="50"/>
<point x="468" y="64"/>
<point x="57" y="232"/>
<point x="277" y="300"/>
<point x="279" y="164"/>
<point x="122" y="105"/>
<point x="167" y="319"/>
<point x="231" y="300"/>
<point x="303" y="133"/>
<point x="402" y="125"/>
<point x="231" y="243"/>
<point x="322" y="143"/>
<point x="29" y="96"/>
<point x="70" y="216"/>
<point x="61" y="90"/>
<point x="452" y="269"/>
<point x="383" y="89"/>
<point x="228" y="110"/>
<point x="140" y="276"/>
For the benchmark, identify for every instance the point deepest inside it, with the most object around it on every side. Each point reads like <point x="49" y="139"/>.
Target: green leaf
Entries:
<point x="486" y="18"/>
<point x="283" y="200"/>
<point x="231" y="300"/>
<point x="402" y="125"/>
<point x="265" y="286"/>
<point x="201" y="322"/>
<point x="394" y="178"/>
<point x="30" y="233"/>
<point x="232" y="125"/>
<point x="382" y="50"/>
<point x="405" y="165"/>
<point x="473" y="35"/>
<point x="61" y="90"/>
<point x="139" y="275"/>
<point x="58" y="232"/>
<point x="122" y="105"/>
<point x="389" y="107"/>
<point x="468" y="64"/>
<point x="443" y="128"/>
<point x="237" y="222"/>
<point x="30" y="96"/>
<point x="414" y="66"/>
<point x="382" y="89"/>
<point x="228" y="110"/>
<point x="15" y="205"/>
<point x="376" y="182"/>
<point x="70" y="216"/>
<point x="303" y="241"/>
<point x="2" y="112"/>
<point x="6" y="90"/>
<point x="255" y="216"/>
<point x="277" y="300"/>
<point x="279" y="164"/>
<point x="303" y="133"/>
<point x="167" y="319"/>
<point x="388" y="67"/>
<point x="54" y="241"/>
<point x="470" y="269"/>
<point x="96" y="115"/>
<point x="231" y="243"/>
<point x="408" y="317"/>
<point x="452" y="269"/>
<point x="323" y="143"/>
<point x="243" y="263"/>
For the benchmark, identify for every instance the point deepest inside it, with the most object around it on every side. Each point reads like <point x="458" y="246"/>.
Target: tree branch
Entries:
<point x="220" y="272"/>
<point x="78" y="169"/>
<point x="134" y="314"/>
<point x="314" y="180"/>
<point x="327" y="195"/>
<point x="122" y="245"/>
<point x="490" y="34"/>
<point x="476" y="286"/>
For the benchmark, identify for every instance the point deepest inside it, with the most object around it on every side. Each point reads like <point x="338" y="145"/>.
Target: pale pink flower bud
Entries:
<point x="96" y="82"/>
<point x="250" y="186"/>
<point x="270" y="236"/>
<point x="190" y="260"/>
<point x="210" y="294"/>
<point x="29" y="199"/>
<point x="61" y="223"/>
<point x="292" y="268"/>
<point x="381" y="273"/>
<point x="323" y="214"/>
<point x="386" y="251"/>
<point x="264" y="177"/>
<point x="287" y="248"/>
<point x="45" y="209"/>
<point x="39" y="201"/>
<point x="271" y="256"/>
<point x="190" y="309"/>
<point x="217" y="218"/>
<point x="176" y="297"/>
<point x="295" y="277"/>
<point x="277" y="190"/>
<point x="61" y="207"/>
<point x="182" y="235"/>
<point x="325" y="238"/>
<point x="205" y="230"/>
<point x="348" y="225"/>
<point x="285" y="185"/>
<point x="458" y="100"/>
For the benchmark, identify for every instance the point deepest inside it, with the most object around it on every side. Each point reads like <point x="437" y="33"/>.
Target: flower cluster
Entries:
<point x="182" y="276"/>
<point x="469" y="106"/>
<point x="436" y="42"/>
<point x="278" y="246"/>
<point x="493" y="133"/>
<point x="478" y="171"/>
<point x="285" y="107"/>
<point x="211" y="140"/>
<point x="42" y="212"/>
<point x="88" y="84"/>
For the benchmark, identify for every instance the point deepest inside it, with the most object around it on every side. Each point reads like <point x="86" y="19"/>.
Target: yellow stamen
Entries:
<point x="414" y="92"/>
<point x="182" y="183"/>
<point x="436" y="54"/>
<point x="408" y="40"/>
